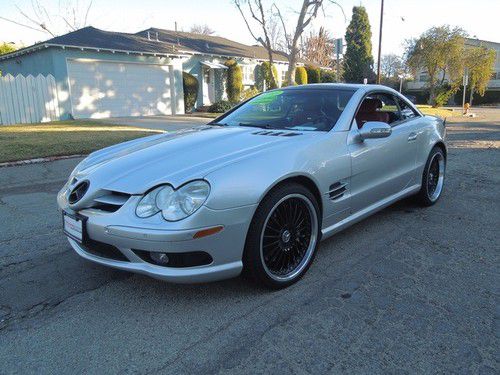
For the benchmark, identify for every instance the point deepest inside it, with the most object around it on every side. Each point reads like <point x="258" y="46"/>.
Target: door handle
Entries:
<point x="412" y="137"/>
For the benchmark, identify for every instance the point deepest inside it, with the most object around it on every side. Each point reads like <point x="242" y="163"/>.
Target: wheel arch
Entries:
<point x="442" y="146"/>
<point x="300" y="179"/>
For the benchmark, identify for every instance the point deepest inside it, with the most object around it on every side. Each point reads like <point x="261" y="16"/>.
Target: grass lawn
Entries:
<point x="440" y="112"/>
<point x="28" y="141"/>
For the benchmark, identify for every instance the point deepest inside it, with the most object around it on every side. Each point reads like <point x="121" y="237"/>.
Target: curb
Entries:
<point x="39" y="160"/>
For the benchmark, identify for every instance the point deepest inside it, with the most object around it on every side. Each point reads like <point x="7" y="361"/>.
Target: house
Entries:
<point x="419" y="85"/>
<point x="110" y="74"/>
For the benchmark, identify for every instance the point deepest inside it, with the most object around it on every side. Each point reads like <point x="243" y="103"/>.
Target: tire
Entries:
<point x="283" y="237"/>
<point x="432" y="186"/>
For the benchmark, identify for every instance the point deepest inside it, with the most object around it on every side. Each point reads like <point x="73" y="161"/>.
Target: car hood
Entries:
<point x="136" y="166"/>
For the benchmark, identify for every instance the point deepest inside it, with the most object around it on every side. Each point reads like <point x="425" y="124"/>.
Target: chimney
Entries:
<point x="157" y="39"/>
<point x="149" y="36"/>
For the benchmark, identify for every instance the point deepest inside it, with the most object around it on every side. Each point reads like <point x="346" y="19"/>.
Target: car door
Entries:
<point x="385" y="166"/>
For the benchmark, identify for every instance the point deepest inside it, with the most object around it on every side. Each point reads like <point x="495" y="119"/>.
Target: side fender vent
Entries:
<point x="337" y="190"/>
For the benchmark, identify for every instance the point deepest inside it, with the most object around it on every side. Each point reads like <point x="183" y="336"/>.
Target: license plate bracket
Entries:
<point x="75" y="226"/>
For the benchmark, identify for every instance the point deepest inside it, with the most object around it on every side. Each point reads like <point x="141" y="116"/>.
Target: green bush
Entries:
<point x="313" y="74"/>
<point x="220" y="107"/>
<point x="300" y="75"/>
<point x="264" y="76"/>
<point x="327" y="76"/>
<point x="249" y="93"/>
<point x="234" y="84"/>
<point x="190" y="84"/>
<point x="285" y="83"/>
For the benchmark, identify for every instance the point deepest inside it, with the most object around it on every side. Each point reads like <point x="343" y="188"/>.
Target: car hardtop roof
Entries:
<point x="338" y="86"/>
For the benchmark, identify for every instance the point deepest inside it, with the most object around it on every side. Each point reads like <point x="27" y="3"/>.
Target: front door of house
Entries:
<point x="208" y="85"/>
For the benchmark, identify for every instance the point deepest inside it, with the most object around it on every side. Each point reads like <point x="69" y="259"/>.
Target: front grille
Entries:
<point x="78" y="192"/>
<point x="103" y="250"/>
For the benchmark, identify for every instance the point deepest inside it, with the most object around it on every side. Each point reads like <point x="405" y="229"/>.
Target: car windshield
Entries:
<point x="302" y="110"/>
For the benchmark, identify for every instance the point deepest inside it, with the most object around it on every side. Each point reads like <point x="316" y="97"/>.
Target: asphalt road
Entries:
<point x="409" y="290"/>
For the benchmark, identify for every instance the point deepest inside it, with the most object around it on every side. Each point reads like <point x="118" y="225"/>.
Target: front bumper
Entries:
<point x="127" y="233"/>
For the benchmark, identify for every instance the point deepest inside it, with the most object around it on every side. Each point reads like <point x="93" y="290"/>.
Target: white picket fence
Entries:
<point x="25" y="100"/>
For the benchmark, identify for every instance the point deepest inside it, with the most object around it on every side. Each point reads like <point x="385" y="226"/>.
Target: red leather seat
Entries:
<point x="368" y="112"/>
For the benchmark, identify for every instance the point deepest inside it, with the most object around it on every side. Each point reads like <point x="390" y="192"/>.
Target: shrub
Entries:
<point x="313" y="74"/>
<point x="264" y="76"/>
<point x="249" y="93"/>
<point x="190" y="84"/>
<point x="234" y="84"/>
<point x="220" y="107"/>
<point x="327" y="76"/>
<point x="300" y="75"/>
<point x="443" y="95"/>
<point x="285" y="83"/>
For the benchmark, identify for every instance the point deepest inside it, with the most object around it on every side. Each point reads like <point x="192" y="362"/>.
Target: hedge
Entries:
<point x="300" y="75"/>
<point x="313" y="74"/>
<point x="190" y="85"/>
<point x="220" y="107"/>
<point x="327" y="76"/>
<point x="264" y="76"/>
<point x="234" y="84"/>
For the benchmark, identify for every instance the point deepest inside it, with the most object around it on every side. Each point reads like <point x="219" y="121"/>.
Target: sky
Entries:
<point x="403" y="19"/>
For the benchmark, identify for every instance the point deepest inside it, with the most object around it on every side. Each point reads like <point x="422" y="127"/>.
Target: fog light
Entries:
<point x="159" y="258"/>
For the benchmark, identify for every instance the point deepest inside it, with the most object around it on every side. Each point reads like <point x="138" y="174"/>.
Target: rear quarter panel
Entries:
<point x="433" y="132"/>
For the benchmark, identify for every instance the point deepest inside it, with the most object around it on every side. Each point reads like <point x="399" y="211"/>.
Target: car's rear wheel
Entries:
<point x="283" y="236"/>
<point x="433" y="178"/>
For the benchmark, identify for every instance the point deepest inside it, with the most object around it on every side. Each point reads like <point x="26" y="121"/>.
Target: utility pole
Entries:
<point x="380" y="40"/>
<point x="338" y="49"/>
<point x="465" y="82"/>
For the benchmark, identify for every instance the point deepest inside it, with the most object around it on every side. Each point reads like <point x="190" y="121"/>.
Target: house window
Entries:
<point x="248" y="74"/>
<point x="283" y="75"/>
<point x="423" y="77"/>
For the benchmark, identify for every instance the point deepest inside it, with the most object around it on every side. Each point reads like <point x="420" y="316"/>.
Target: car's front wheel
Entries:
<point x="283" y="236"/>
<point x="433" y="178"/>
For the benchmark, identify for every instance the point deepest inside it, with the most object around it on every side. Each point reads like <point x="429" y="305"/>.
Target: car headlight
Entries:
<point x="174" y="204"/>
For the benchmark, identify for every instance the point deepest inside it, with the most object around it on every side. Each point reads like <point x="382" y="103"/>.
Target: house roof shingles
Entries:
<point x="169" y="42"/>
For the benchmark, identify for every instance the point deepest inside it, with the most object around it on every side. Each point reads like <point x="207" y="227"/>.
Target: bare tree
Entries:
<point x="308" y="12"/>
<point x="71" y="15"/>
<point x="276" y="35"/>
<point x="202" y="29"/>
<point x="391" y="65"/>
<point x="318" y="47"/>
<point x="261" y="17"/>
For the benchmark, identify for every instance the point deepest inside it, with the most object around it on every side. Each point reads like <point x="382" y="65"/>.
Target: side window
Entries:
<point x="378" y="107"/>
<point x="407" y="112"/>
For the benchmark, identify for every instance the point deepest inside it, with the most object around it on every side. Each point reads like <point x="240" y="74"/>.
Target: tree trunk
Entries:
<point x="471" y="94"/>
<point x="432" y="94"/>
<point x="272" y="83"/>
<point x="292" y="62"/>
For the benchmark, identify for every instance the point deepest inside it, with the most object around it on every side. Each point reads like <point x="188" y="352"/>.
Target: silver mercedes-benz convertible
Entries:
<point x="256" y="189"/>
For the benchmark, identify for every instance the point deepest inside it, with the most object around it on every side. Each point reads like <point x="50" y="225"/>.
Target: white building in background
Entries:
<point x="421" y="79"/>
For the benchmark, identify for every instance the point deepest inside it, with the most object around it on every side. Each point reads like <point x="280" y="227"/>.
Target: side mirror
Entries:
<point x="375" y="129"/>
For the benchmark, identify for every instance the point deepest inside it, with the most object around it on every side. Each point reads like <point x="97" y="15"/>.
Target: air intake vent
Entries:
<point x="277" y="133"/>
<point x="111" y="201"/>
<point x="337" y="190"/>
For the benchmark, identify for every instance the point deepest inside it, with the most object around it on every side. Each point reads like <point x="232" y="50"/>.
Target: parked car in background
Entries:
<point x="256" y="189"/>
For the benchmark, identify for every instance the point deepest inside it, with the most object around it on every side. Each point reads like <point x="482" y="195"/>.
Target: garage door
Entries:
<point x="110" y="89"/>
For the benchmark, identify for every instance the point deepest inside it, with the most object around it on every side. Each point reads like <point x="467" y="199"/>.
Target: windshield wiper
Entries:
<point x="264" y="126"/>
<point x="216" y="124"/>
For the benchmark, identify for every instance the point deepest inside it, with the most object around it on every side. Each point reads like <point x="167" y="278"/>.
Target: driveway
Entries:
<point x="169" y="123"/>
<point x="409" y="290"/>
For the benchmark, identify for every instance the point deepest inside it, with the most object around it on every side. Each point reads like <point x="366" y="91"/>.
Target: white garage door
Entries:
<point x="112" y="89"/>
